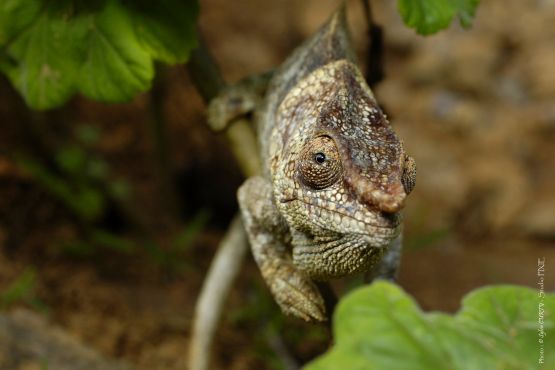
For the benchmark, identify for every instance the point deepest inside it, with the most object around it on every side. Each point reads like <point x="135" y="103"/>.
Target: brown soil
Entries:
<point x="476" y="108"/>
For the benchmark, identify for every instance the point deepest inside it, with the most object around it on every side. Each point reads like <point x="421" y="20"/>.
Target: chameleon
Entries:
<point x="327" y="202"/>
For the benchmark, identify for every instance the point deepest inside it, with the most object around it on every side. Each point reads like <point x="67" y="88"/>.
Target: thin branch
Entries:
<point x="223" y="270"/>
<point x="204" y="72"/>
<point x="243" y="145"/>
<point x="276" y="344"/>
<point x="159" y="129"/>
<point x="375" y="56"/>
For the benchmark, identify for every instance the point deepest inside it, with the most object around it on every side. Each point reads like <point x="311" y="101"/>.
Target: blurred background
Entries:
<point x="110" y="214"/>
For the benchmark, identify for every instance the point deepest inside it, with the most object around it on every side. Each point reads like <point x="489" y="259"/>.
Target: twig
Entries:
<point x="204" y="72"/>
<point x="276" y="343"/>
<point x="242" y="142"/>
<point x="374" y="69"/>
<point x="223" y="270"/>
<point x="159" y="129"/>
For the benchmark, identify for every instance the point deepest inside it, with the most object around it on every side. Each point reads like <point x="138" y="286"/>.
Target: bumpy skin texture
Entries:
<point x="335" y="177"/>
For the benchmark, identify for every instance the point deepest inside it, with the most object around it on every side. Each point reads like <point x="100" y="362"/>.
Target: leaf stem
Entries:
<point x="204" y="72"/>
<point x="159" y="130"/>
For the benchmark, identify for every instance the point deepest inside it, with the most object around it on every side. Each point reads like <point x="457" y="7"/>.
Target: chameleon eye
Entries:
<point x="409" y="174"/>
<point x="320" y="157"/>
<point x="319" y="165"/>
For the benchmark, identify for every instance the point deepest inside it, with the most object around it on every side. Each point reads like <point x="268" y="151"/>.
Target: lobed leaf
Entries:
<point x="380" y="327"/>
<point x="115" y="66"/>
<point x="430" y="16"/>
<point x="104" y="49"/>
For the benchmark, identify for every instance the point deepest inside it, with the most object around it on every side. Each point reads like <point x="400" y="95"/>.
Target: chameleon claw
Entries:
<point x="299" y="297"/>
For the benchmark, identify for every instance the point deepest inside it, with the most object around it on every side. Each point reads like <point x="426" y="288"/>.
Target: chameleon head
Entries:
<point x="340" y="172"/>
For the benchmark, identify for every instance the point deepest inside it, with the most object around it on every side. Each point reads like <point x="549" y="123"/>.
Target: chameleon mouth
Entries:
<point x="340" y="214"/>
<point x="287" y="200"/>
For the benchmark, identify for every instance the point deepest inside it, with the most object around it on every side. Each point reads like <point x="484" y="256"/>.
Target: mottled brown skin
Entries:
<point x="335" y="177"/>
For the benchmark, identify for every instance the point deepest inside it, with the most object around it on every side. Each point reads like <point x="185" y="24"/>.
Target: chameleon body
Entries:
<point x="327" y="203"/>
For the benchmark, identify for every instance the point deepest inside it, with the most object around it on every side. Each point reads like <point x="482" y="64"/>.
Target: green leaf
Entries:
<point x="380" y="327"/>
<point x="46" y="61"/>
<point x="430" y="16"/>
<point x="115" y="67"/>
<point x="103" y="49"/>
<point x="166" y="28"/>
<point x="466" y="11"/>
<point x="15" y="15"/>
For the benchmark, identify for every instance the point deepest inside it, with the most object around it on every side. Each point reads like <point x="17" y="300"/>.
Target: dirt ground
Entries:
<point x="476" y="109"/>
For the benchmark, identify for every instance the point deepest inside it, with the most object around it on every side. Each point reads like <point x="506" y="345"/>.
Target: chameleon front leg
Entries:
<point x="268" y="234"/>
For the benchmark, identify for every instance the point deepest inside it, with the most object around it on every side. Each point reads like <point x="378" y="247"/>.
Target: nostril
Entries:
<point x="393" y="218"/>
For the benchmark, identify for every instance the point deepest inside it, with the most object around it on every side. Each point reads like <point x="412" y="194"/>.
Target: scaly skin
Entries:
<point x="335" y="178"/>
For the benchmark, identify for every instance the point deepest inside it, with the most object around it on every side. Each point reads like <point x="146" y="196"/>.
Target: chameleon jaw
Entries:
<point x="342" y="256"/>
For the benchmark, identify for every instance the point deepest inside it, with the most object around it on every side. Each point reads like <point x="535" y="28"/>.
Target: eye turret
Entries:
<point x="319" y="165"/>
<point x="409" y="174"/>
